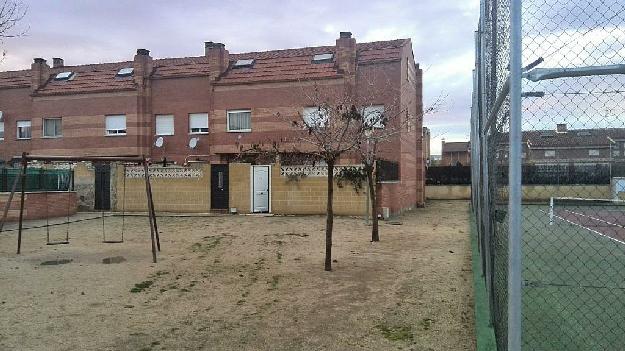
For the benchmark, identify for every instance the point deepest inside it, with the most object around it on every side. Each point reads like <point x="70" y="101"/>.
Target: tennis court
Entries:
<point x="574" y="276"/>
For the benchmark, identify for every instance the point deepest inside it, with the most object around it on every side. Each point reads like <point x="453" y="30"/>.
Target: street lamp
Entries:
<point x="610" y="166"/>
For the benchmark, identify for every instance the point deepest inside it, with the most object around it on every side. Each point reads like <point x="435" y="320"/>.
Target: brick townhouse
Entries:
<point x="562" y="146"/>
<point x="456" y="153"/>
<point x="203" y="108"/>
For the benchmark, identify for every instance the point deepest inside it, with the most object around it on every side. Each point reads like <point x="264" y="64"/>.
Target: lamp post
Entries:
<point x="368" y="133"/>
<point x="610" y="166"/>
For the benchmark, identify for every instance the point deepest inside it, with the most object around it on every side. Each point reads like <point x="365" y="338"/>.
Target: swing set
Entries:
<point x="154" y="235"/>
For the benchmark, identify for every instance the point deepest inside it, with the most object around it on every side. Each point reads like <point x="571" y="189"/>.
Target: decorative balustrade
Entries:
<point x="312" y="171"/>
<point x="164" y="172"/>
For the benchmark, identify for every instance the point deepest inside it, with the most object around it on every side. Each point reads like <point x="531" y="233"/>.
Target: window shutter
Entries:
<point x="313" y="116"/>
<point x="165" y="125"/>
<point x="374" y="115"/>
<point x="116" y="124"/>
<point x="198" y="122"/>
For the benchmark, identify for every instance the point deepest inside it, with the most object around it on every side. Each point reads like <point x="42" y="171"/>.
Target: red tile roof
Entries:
<point x="181" y="67"/>
<point x="15" y="79"/>
<point x="89" y="79"/>
<point x="275" y="65"/>
<point x="456" y="146"/>
<point x="380" y="51"/>
<point x="278" y="65"/>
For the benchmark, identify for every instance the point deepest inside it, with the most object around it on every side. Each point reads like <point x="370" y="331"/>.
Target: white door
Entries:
<point x="260" y="186"/>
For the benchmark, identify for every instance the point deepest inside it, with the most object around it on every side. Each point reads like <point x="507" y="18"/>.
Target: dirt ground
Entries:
<point x="242" y="283"/>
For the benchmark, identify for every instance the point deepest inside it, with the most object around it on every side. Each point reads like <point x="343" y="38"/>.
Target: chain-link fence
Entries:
<point x="573" y="141"/>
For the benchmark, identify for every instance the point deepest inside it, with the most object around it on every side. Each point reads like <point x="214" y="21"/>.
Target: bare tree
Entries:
<point x="340" y="123"/>
<point x="11" y="12"/>
<point x="381" y="125"/>
<point x="325" y="132"/>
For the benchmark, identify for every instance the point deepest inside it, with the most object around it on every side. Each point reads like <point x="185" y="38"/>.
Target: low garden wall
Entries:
<point x="295" y="195"/>
<point x="174" y="189"/>
<point x="39" y="205"/>
<point x="530" y="192"/>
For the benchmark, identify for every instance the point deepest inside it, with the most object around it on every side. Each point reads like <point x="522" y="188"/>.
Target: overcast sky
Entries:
<point x="88" y="31"/>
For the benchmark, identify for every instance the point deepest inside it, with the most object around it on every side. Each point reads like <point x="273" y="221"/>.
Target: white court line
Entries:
<point x="590" y="230"/>
<point x="596" y="219"/>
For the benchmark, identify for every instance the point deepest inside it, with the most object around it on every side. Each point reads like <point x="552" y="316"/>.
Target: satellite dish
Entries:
<point x="159" y="142"/>
<point x="193" y="143"/>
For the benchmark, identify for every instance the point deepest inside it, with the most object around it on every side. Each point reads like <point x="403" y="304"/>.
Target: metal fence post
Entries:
<point x="514" y="178"/>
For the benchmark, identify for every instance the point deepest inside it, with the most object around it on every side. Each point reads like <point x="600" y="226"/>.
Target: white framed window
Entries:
<point x="374" y="116"/>
<point x="1" y="131"/>
<point x="314" y="116"/>
<point x="115" y="125"/>
<point x="52" y="127"/>
<point x="24" y="130"/>
<point x="550" y="153"/>
<point x="164" y="124"/>
<point x="198" y="123"/>
<point x="593" y="152"/>
<point x="239" y="121"/>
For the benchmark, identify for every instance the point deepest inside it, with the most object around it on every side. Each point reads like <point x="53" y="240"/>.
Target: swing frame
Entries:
<point x="154" y="235"/>
<point x="66" y="241"/>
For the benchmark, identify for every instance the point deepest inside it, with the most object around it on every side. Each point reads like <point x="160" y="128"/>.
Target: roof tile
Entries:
<point x="274" y="65"/>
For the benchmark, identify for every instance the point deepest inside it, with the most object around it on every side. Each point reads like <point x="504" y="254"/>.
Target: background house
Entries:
<point x="206" y="108"/>
<point x="456" y="153"/>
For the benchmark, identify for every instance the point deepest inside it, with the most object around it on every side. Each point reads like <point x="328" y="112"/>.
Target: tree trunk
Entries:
<point x="329" y="216"/>
<point x="375" y="235"/>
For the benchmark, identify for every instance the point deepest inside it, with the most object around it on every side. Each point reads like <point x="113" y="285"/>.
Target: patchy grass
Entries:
<point x="274" y="282"/>
<point x="396" y="333"/>
<point x="426" y="323"/>
<point x="146" y="284"/>
<point x="209" y="243"/>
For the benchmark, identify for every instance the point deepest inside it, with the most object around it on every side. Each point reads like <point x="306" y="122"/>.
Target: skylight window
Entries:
<point x="244" y="63"/>
<point x="125" y="72"/>
<point x="321" y="58"/>
<point x="64" y="76"/>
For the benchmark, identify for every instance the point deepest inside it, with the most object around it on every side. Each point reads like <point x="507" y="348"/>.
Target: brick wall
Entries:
<point x="239" y="186"/>
<point x="39" y="205"/>
<point x="180" y="195"/>
<point x="308" y="195"/>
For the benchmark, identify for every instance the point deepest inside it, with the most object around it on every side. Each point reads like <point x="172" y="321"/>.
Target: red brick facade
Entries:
<point x="210" y="84"/>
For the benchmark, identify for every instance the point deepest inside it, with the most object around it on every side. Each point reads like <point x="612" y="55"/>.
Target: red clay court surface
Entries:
<point x="604" y="222"/>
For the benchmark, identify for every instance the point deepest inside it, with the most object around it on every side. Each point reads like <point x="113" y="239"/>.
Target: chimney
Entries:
<point x="346" y="57"/>
<point x="57" y="62"/>
<point x="561" y="128"/>
<point x="218" y="58"/>
<point x="142" y="66"/>
<point x="40" y="72"/>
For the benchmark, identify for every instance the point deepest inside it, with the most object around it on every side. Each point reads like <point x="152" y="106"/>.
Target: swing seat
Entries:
<point x="66" y="242"/>
<point x="112" y="241"/>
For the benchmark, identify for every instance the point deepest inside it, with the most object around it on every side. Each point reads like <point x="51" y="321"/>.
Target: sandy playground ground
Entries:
<point x="242" y="283"/>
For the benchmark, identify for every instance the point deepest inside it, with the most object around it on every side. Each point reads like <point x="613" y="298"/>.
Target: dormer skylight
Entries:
<point x="323" y="58"/>
<point x="243" y="63"/>
<point x="64" y="75"/>
<point x="125" y="72"/>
